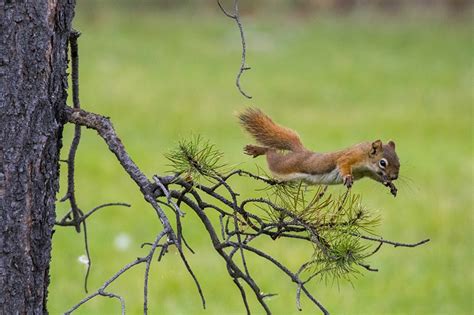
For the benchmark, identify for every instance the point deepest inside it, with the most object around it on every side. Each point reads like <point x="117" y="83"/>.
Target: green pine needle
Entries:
<point x="195" y="157"/>
<point x="336" y="219"/>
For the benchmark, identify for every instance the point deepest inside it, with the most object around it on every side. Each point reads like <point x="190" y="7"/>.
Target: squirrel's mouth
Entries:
<point x="382" y="177"/>
<point x="385" y="179"/>
<point x="387" y="182"/>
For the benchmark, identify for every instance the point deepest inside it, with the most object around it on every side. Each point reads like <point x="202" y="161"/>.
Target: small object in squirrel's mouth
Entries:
<point x="393" y="188"/>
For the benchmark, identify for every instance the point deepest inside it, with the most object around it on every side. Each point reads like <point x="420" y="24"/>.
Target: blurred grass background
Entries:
<point x="338" y="78"/>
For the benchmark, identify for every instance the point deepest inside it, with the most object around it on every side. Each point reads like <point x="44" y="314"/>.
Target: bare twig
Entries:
<point x="100" y="291"/>
<point x="191" y="272"/>
<point x="116" y="296"/>
<point x="243" y="295"/>
<point x="376" y="249"/>
<point x="367" y="267"/>
<point x="149" y="259"/>
<point x="168" y="197"/>
<point x="236" y="17"/>
<point x="65" y="222"/>
<point x="70" y="194"/>
<point x="88" y="254"/>
<point x="395" y="244"/>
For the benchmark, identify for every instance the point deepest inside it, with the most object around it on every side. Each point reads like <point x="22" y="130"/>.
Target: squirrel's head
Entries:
<point x="385" y="161"/>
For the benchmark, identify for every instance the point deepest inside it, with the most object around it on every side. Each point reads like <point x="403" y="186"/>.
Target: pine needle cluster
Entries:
<point x="194" y="158"/>
<point x="333" y="222"/>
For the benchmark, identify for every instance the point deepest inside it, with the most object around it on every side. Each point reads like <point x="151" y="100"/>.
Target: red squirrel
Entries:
<point x="289" y="160"/>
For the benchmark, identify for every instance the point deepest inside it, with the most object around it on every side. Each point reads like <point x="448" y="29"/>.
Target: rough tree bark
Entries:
<point x="33" y="81"/>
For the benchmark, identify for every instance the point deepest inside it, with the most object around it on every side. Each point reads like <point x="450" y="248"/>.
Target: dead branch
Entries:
<point x="70" y="194"/>
<point x="236" y="17"/>
<point x="105" y="129"/>
<point x="176" y="192"/>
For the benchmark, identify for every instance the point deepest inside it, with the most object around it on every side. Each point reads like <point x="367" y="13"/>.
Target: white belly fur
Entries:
<point x="332" y="178"/>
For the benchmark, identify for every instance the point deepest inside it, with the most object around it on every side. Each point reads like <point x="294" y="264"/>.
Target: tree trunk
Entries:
<point x="33" y="81"/>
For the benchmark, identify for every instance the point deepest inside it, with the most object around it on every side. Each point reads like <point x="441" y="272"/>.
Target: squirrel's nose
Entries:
<point x="394" y="176"/>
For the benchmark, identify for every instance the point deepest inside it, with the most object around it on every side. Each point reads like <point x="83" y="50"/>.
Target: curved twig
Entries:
<point x="70" y="194"/>
<point x="236" y="17"/>
<point x="65" y="222"/>
<point x="100" y="291"/>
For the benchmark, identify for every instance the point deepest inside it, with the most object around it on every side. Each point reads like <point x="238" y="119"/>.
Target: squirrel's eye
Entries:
<point x="383" y="163"/>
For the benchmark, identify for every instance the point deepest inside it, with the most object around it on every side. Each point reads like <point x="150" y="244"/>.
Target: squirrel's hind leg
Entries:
<point x="255" y="150"/>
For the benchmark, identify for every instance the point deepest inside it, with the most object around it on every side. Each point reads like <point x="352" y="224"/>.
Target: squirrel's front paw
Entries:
<point x="348" y="181"/>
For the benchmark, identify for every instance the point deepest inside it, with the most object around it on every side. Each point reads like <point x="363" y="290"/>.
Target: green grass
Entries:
<point x="337" y="81"/>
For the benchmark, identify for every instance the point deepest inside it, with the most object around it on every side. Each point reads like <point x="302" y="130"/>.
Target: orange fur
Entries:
<point x="266" y="132"/>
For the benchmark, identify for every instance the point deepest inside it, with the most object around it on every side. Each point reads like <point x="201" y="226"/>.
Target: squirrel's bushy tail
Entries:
<point x="268" y="133"/>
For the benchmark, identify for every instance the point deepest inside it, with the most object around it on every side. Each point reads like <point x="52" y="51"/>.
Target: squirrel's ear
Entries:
<point x="392" y="144"/>
<point x="376" y="147"/>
